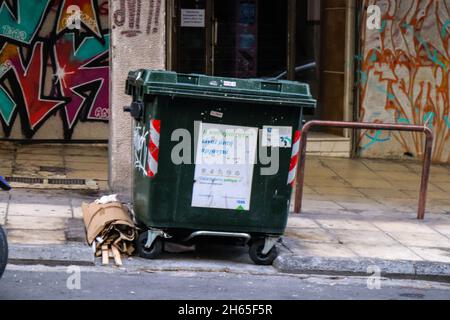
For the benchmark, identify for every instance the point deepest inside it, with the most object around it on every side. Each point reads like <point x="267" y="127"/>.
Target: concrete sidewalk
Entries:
<point x="361" y="213"/>
<point x="356" y="214"/>
<point x="69" y="166"/>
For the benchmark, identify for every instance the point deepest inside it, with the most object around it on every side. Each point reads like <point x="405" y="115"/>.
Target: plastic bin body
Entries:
<point x="172" y="102"/>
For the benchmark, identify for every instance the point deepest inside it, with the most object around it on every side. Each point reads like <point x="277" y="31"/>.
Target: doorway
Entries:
<point x="287" y="39"/>
<point x="236" y="38"/>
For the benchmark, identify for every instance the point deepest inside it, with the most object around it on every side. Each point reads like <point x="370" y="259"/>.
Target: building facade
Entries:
<point x="62" y="78"/>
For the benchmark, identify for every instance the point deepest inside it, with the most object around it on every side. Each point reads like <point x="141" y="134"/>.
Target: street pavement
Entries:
<point x="38" y="282"/>
<point x="358" y="215"/>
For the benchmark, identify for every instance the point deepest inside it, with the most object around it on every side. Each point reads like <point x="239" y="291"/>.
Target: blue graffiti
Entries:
<point x="432" y="56"/>
<point x="374" y="139"/>
<point x="447" y="121"/>
<point x="7" y="106"/>
<point x="90" y="47"/>
<point x="389" y="95"/>
<point x="429" y="118"/>
<point x="444" y="28"/>
<point x="403" y="121"/>
<point x="29" y="18"/>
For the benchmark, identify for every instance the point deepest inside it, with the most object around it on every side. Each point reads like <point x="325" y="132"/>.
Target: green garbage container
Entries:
<point x="214" y="157"/>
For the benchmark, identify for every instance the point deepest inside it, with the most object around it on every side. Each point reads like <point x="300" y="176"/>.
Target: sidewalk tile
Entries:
<point x="35" y="223"/>
<point x="52" y="150"/>
<point x="314" y="204"/>
<point x="357" y="174"/>
<point x="445" y="186"/>
<point x="442" y="227"/>
<point x="433" y="254"/>
<point x="384" y="193"/>
<point x="37" y="161"/>
<point x="376" y="183"/>
<point x="332" y="182"/>
<point x="439" y="177"/>
<point x="91" y="174"/>
<point x="307" y="190"/>
<point x="404" y="205"/>
<point x="315" y="197"/>
<point x="299" y="222"/>
<point x="318" y="172"/>
<point x="346" y="224"/>
<point x="77" y="213"/>
<point x="310" y="235"/>
<point x="87" y="159"/>
<point x="405" y="177"/>
<point x="362" y="206"/>
<point x="39" y="210"/>
<point x="22" y="157"/>
<point x="36" y="237"/>
<point x="346" y="191"/>
<point x="436" y="194"/>
<point x="86" y="166"/>
<point x="421" y="239"/>
<point x="366" y="237"/>
<point x="350" y="199"/>
<point x="388" y="166"/>
<point x="411" y="189"/>
<point x="433" y="209"/>
<point x="403" y="226"/>
<point x="39" y="196"/>
<point x="392" y="252"/>
<point x="323" y="250"/>
<point x="338" y="163"/>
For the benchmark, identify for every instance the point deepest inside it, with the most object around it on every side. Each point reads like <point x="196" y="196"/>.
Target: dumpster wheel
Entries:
<point x="3" y="251"/>
<point x="153" y="251"/>
<point x="256" y="253"/>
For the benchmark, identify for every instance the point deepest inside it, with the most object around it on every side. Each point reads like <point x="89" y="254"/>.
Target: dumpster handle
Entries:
<point x="300" y="175"/>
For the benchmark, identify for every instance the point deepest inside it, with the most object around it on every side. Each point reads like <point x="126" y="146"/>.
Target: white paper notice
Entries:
<point x="277" y="137"/>
<point x="224" y="165"/>
<point x="193" y="18"/>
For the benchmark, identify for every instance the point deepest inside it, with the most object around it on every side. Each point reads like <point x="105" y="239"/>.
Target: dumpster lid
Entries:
<point x="156" y="82"/>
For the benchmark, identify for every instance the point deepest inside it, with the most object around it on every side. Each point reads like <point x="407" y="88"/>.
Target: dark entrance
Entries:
<point x="301" y="40"/>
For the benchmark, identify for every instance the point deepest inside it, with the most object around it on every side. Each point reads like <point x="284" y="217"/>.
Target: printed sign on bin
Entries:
<point x="224" y="165"/>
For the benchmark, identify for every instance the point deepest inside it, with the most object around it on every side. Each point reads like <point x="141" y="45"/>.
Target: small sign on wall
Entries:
<point x="193" y="18"/>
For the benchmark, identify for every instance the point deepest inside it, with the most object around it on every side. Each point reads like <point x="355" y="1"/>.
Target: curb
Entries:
<point x="401" y="269"/>
<point x="51" y="255"/>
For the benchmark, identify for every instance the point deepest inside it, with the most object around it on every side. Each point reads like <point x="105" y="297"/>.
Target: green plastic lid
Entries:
<point x="156" y="82"/>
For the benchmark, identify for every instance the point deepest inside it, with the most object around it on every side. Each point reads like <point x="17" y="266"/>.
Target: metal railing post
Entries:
<point x="300" y="175"/>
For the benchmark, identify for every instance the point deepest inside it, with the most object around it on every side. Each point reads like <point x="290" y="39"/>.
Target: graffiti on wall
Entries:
<point x="54" y="59"/>
<point x="130" y="13"/>
<point x="404" y="75"/>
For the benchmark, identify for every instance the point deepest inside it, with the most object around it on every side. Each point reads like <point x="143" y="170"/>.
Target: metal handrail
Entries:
<point x="300" y="175"/>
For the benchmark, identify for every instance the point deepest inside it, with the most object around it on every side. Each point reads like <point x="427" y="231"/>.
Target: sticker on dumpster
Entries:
<point x="277" y="137"/>
<point x="229" y="84"/>
<point x="225" y="158"/>
<point x="216" y="114"/>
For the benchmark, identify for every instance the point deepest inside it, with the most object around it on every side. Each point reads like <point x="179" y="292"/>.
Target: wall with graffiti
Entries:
<point x="54" y="69"/>
<point x="405" y="76"/>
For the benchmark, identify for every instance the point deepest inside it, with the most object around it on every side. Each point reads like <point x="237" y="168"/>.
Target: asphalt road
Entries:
<point x="38" y="282"/>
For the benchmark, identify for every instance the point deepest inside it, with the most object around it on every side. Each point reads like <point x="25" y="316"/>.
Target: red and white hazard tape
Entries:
<point x="153" y="148"/>
<point x="294" y="158"/>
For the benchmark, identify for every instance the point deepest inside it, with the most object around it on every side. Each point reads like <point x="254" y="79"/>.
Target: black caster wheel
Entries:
<point x="3" y="251"/>
<point x="256" y="248"/>
<point x="149" y="253"/>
